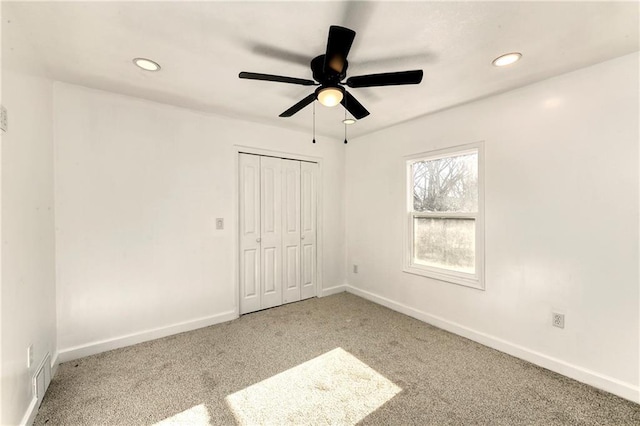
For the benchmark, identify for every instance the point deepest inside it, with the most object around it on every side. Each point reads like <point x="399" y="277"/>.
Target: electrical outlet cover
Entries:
<point x="557" y="320"/>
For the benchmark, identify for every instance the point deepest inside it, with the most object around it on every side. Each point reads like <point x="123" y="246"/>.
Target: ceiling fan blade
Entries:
<point x="385" y="79"/>
<point x="338" y="46"/>
<point x="297" y="107"/>
<point x="276" y="78"/>
<point x="275" y="52"/>
<point x="353" y="106"/>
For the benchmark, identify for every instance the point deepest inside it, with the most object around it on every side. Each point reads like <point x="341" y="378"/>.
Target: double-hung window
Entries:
<point x="445" y="226"/>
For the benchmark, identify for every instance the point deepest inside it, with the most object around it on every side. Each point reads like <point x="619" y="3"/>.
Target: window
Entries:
<point x="445" y="226"/>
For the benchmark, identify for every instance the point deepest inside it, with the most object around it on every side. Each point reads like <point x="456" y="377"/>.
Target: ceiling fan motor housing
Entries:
<point x="328" y="77"/>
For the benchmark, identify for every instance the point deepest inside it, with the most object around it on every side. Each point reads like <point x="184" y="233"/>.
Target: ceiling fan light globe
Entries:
<point x="330" y="96"/>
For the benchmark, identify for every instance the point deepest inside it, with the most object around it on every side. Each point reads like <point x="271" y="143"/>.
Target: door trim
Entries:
<point x="243" y="149"/>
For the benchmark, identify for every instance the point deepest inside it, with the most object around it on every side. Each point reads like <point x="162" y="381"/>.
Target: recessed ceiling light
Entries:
<point x="348" y="121"/>
<point x="147" y="64"/>
<point x="507" y="59"/>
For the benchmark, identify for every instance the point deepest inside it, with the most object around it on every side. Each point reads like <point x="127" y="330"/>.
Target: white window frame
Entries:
<point x="475" y="280"/>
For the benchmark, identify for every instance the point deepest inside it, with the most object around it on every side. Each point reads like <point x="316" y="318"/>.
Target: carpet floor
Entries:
<point x="335" y="360"/>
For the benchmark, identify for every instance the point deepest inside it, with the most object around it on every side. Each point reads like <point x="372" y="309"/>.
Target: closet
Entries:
<point x="277" y="221"/>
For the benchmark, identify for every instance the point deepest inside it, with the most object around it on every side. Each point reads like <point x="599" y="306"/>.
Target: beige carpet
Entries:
<point x="335" y="360"/>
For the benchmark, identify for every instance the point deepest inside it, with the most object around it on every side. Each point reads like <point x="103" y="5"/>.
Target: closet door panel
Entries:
<point x="308" y="182"/>
<point x="249" y="207"/>
<point x="291" y="230"/>
<point x="271" y="231"/>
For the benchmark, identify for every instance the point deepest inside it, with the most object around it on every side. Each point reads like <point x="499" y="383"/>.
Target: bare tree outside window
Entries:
<point x="445" y="185"/>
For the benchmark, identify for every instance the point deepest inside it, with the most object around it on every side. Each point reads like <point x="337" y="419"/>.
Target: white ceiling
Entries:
<point x="202" y="46"/>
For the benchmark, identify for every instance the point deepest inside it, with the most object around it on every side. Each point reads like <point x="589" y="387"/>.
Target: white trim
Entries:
<point x="54" y="365"/>
<point x="238" y="149"/>
<point x="93" y="348"/>
<point x="452" y="151"/>
<point x="235" y="205"/>
<point x="319" y="229"/>
<point x="600" y="381"/>
<point x="30" y="415"/>
<point x="280" y="154"/>
<point x="333" y="290"/>
<point x="452" y="277"/>
<point x="475" y="280"/>
<point x="32" y="410"/>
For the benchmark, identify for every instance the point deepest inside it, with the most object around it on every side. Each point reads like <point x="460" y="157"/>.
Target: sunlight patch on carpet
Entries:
<point x="194" y="416"/>
<point x="334" y="388"/>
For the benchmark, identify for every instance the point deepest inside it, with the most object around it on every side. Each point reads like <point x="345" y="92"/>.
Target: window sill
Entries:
<point x="472" y="282"/>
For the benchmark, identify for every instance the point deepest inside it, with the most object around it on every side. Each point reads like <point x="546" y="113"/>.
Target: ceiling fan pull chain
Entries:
<point x="345" y="120"/>
<point x="314" y="122"/>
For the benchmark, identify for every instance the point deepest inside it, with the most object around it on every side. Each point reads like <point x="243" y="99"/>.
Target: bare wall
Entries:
<point x="561" y="222"/>
<point x="28" y="259"/>
<point x="138" y="188"/>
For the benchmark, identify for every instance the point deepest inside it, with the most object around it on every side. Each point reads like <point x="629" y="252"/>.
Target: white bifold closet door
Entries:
<point x="249" y="200"/>
<point x="308" y="228"/>
<point x="277" y="205"/>
<point x="291" y="230"/>
<point x="270" y="232"/>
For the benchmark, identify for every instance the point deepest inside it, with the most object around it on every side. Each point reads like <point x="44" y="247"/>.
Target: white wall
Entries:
<point x="561" y="223"/>
<point x="1" y="137"/>
<point x="138" y="188"/>
<point x="28" y="261"/>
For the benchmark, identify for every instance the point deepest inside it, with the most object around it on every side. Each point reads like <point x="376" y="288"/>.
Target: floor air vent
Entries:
<point x="42" y="379"/>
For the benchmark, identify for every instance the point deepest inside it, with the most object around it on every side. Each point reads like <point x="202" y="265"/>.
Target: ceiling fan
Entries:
<point x="329" y="71"/>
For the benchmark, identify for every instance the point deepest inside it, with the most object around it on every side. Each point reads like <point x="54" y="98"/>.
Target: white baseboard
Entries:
<point x="93" y="348"/>
<point x="600" y="381"/>
<point x="333" y="290"/>
<point x="30" y="415"/>
<point x="54" y="365"/>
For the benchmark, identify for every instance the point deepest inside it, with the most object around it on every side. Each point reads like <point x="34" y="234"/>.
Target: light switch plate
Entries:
<point x="29" y="356"/>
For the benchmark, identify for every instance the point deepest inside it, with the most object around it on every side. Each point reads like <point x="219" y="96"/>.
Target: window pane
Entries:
<point x="447" y="184"/>
<point x="445" y="243"/>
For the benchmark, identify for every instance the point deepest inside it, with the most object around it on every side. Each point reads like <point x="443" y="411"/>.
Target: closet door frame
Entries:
<point x="241" y="149"/>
